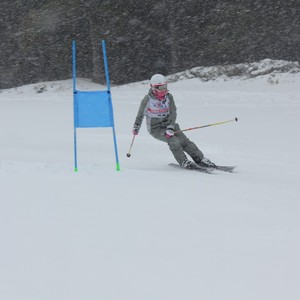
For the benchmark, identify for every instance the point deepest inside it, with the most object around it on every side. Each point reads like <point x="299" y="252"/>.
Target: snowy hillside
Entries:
<point x="149" y="231"/>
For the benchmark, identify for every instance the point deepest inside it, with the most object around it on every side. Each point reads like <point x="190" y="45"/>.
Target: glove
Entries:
<point x="169" y="133"/>
<point x="135" y="130"/>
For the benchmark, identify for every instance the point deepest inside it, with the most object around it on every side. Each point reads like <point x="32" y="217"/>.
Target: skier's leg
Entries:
<point x="177" y="150"/>
<point x="195" y="153"/>
<point x="188" y="146"/>
<point x="173" y="143"/>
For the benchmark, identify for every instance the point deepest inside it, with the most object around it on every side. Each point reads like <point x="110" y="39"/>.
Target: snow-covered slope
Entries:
<point x="150" y="231"/>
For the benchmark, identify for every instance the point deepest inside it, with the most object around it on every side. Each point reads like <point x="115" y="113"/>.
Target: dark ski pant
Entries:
<point x="179" y="144"/>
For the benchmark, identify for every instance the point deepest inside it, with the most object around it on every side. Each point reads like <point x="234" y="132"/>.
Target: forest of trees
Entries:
<point x="142" y="37"/>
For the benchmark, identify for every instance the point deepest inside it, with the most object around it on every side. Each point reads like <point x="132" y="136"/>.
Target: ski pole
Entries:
<point x="203" y="126"/>
<point x="129" y="151"/>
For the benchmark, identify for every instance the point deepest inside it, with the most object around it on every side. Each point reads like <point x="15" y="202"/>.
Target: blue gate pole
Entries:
<point x="110" y="102"/>
<point x="74" y="102"/>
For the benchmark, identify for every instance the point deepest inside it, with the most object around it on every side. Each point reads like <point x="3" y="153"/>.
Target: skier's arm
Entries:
<point x="173" y="113"/>
<point x="141" y="113"/>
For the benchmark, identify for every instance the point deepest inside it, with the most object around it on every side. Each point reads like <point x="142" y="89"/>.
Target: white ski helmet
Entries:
<point x="159" y="86"/>
<point x="158" y="79"/>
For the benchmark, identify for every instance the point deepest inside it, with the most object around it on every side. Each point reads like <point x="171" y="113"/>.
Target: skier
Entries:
<point x="160" y="110"/>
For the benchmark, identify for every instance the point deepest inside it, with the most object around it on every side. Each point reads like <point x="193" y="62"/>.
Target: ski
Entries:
<point x="198" y="169"/>
<point x="229" y="169"/>
<point x="207" y="170"/>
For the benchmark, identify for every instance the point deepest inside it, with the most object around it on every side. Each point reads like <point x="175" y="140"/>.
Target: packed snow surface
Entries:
<point x="149" y="231"/>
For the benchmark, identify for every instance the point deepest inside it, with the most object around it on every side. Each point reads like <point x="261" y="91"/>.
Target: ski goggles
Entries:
<point x="161" y="87"/>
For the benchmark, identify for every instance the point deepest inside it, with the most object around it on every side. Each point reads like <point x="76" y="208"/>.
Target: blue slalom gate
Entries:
<point x="92" y="108"/>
